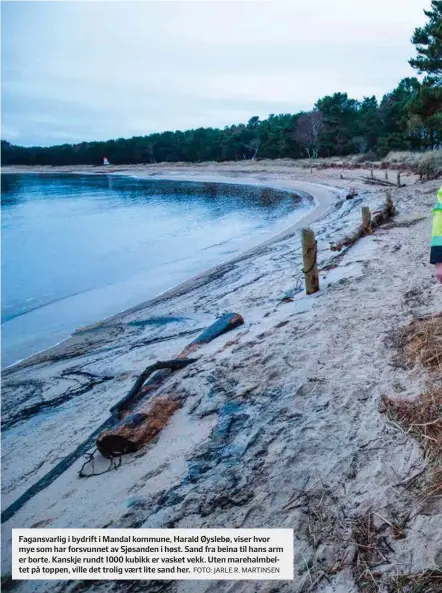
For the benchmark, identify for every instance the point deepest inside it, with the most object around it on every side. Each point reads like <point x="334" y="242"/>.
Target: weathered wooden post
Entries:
<point x="386" y="174"/>
<point x="371" y="173"/>
<point x="398" y="179"/>
<point x="389" y="206"/>
<point x="366" y="220"/>
<point x="309" y="257"/>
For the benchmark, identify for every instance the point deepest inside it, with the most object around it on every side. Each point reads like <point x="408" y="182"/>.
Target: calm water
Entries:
<point x="76" y="249"/>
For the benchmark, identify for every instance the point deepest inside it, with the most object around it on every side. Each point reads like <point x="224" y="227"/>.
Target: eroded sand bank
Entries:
<point x="285" y="408"/>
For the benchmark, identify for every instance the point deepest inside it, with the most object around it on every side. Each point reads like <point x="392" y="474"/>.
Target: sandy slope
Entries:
<point x="284" y="408"/>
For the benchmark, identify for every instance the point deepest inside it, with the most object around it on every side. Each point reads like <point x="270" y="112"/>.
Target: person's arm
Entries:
<point x="436" y="239"/>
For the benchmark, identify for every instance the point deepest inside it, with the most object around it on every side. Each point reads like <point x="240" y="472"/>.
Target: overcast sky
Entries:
<point x="75" y="70"/>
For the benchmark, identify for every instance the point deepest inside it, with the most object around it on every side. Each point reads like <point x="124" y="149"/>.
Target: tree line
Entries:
<point x="407" y="118"/>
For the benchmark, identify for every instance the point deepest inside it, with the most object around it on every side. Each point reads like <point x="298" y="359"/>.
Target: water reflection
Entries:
<point x="77" y="248"/>
<point x="16" y="188"/>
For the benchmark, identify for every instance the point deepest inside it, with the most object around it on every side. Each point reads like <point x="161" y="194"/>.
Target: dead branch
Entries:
<point x="377" y="219"/>
<point x="136" y="391"/>
<point x="375" y="181"/>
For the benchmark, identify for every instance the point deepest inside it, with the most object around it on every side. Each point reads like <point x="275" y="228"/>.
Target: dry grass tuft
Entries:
<point x="420" y="418"/>
<point x="429" y="581"/>
<point x="422" y="343"/>
<point x="372" y="551"/>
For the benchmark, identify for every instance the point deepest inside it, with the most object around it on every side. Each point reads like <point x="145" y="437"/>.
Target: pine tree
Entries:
<point x="428" y="42"/>
<point x="426" y="107"/>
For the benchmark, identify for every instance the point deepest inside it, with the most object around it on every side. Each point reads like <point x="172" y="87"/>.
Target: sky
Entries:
<point x="93" y="70"/>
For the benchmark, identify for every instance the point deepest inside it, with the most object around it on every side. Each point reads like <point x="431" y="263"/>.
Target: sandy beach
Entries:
<point x="280" y="422"/>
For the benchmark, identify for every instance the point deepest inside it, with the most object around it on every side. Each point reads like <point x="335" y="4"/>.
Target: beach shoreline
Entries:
<point x="322" y="197"/>
<point x="287" y="405"/>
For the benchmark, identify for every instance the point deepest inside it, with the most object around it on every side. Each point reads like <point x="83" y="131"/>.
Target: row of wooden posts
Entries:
<point x="398" y="176"/>
<point x="309" y="243"/>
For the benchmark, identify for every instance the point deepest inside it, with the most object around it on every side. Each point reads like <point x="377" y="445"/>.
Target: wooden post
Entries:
<point x="386" y="173"/>
<point x="366" y="220"/>
<point x="389" y="206"/>
<point x="371" y="173"/>
<point x="398" y="179"/>
<point x="309" y="253"/>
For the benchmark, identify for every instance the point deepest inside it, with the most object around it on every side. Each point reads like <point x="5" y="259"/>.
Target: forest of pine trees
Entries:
<point x="407" y="118"/>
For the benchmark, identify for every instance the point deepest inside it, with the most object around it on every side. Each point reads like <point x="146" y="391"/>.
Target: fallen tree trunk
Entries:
<point x="138" y="429"/>
<point x="377" y="219"/>
<point x="135" y="430"/>
<point x="222" y="325"/>
<point x="375" y="181"/>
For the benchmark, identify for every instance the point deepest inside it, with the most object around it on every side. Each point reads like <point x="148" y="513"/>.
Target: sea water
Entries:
<point x="79" y="248"/>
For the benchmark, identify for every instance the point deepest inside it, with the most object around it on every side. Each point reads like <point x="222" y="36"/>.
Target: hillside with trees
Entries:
<point x="407" y="118"/>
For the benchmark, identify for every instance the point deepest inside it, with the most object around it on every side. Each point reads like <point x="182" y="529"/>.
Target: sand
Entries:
<point x="280" y="425"/>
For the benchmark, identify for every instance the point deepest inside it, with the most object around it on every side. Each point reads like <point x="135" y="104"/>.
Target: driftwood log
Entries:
<point x="222" y="325"/>
<point x="136" y="391"/>
<point x="138" y="429"/>
<point x="376" y="181"/>
<point x="135" y="430"/>
<point x="368" y="225"/>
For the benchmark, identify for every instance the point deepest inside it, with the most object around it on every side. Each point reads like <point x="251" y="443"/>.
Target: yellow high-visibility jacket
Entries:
<point x="436" y="239"/>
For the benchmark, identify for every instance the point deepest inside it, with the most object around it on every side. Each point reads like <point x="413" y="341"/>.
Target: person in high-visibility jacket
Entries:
<point x="436" y="239"/>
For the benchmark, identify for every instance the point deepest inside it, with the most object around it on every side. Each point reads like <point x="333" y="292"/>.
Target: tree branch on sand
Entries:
<point x="377" y="219"/>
